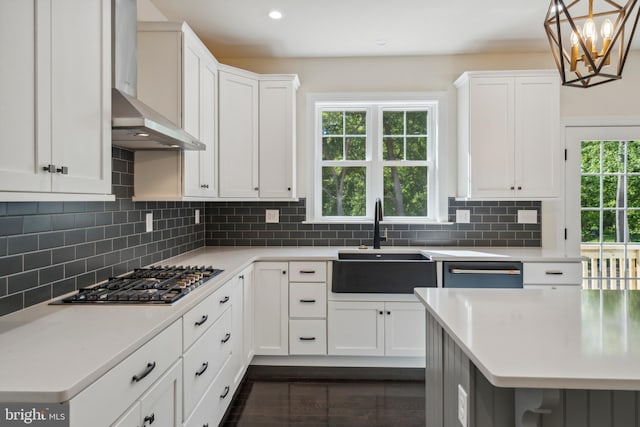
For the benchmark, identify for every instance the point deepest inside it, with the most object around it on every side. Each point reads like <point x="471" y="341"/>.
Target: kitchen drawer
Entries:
<point x="215" y="401"/>
<point x="204" y="359"/>
<point x="126" y="382"/>
<point x="197" y="320"/>
<point x="552" y="273"/>
<point x="308" y="336"/>
<point x="307" y="271"/>
<point x="307" y="300"/>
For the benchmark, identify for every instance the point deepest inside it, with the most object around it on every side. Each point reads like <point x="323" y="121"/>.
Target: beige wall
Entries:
<point x="437" y="73"/>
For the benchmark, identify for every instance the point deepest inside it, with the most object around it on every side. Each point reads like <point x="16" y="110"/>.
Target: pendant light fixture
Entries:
<point x="590" y="39"/>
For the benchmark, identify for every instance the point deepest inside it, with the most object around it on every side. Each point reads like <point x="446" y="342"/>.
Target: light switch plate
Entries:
<point x="149" y="221"/>
<point x="463" y="216"/>
<point x="197" y="217"/>
<point x="463" y="404"/>
<point x="527" y="217"/>
<point x="272" y="216"/>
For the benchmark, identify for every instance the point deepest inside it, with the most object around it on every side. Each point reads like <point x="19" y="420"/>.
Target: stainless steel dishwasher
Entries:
<point x="481" y="274"/>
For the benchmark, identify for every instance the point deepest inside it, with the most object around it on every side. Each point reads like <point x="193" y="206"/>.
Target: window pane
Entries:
<point x="356" y="148"/>
<point x="344" y="191"/>
<point x="590" y="224"/>
<point x="416" y="122"/>
<point x="405" y="191"/>
<point x="633" y="191"/>
<point x="393" y="122"/>
<point x="332" y="148"/>
<point x="612" y="156"/>
<point x="633" y="219"/>
<point x="590" y="157"/>
<point x="609" y="226"/>
<point x="612" y="191"/>
<point x="590" y="188"/>
<point x="416" y="148"/>
<point x="332" y="123"/>
<point x="356" y="122"/>
<point x="633" y="156"/>
<point x="393" y="148"/>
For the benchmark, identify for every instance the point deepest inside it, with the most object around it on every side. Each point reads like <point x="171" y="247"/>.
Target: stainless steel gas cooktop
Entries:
<point x="153" y="285"/>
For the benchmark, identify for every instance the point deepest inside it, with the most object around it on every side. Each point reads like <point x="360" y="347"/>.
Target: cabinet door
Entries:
<point x="238" y="136"/>
<point x="404" y="329"/>
<point x="277" y="133"/>
<point x="208" y="127"/>
<point x="271" y="308"/>
<point x="537" y="134"/>
<point x="237" y="342"/>
<point x="80" y="73"/>
<point x="248" y="293"/>
<point x="21" y="157"/>
<point x="355" y="328"/>
<point x="491" y="130"/>
<point x="161" y="406"/>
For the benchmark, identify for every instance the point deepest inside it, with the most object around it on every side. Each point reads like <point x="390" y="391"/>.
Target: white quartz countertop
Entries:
<point x="544" y="338"/>
<point x="52" y="352"/>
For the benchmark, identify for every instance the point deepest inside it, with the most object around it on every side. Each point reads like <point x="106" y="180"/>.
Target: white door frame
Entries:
<point x="574" y="131"/>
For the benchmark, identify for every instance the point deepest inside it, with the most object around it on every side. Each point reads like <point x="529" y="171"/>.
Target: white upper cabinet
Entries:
<point x="257" y="135"/>
<point x="177" y="76"/>
<point x="55" y="108"/>
<point x="509" y="135"/>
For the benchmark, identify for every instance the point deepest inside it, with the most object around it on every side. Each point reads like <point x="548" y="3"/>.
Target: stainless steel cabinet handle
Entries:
<point x="480" y="271"/>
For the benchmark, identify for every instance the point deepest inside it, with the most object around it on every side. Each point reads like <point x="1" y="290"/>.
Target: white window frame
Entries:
<point x="375" y="104"/>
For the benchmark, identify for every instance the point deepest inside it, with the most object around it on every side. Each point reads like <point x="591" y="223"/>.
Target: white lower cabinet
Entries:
<point x="372" y="328"/>
<point x="215" y="401"/>
<point x="271" y="308"/>
<point x="308" y="336"/>
<point x="127" y="381"/>
<point x="551" y="274"/>
<point x="248" y="307"/>
<point x="160" y="406"/>
<point x="203" y="361"/>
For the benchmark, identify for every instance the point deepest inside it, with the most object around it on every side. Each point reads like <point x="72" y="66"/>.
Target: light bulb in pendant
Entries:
<point x="589" y="34"/>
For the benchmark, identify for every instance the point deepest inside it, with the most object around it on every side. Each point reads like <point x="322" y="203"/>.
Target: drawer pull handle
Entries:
<point x="307" y="272"/>
<point x="308" y="300"/>
<point x="150" y="367"/>
<point x="554" y="272"/>
<point x="149" y="419"/>
<point x="226" y="338"/>
<point x="225" y="392"/>
<point x="511" y="271"/>
<point x="307" y="338"/>
<point x="201" y="321"/>
<point x="204" y="367"/>
<point x="224" y="300"/>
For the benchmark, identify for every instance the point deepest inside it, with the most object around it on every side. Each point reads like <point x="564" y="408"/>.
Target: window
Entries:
<point x="366" y="150"/>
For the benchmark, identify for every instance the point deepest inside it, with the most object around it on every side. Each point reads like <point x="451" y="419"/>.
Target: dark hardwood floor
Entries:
<point x="327" y="402"/>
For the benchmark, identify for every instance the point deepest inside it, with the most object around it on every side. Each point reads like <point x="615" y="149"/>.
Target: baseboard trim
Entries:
<point x="333" y="373"/>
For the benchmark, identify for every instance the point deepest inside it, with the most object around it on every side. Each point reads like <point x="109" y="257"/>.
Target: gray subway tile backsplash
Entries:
<point x="48" y="249"/>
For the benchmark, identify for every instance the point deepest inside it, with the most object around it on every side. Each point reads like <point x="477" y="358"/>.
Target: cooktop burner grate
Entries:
<point x="153" y="285"/>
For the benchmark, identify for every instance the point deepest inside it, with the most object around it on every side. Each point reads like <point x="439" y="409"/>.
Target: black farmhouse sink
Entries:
<point x="382" y="272"/>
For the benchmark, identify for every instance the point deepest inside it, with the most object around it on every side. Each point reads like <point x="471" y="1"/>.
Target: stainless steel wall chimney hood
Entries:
<point x="134" y="125"/>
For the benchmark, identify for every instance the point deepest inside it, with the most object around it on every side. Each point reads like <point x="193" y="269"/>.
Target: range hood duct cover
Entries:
<point x="134" y="125"/>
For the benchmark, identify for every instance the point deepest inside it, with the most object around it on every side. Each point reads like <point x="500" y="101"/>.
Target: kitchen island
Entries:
<point x="532" y="357"/>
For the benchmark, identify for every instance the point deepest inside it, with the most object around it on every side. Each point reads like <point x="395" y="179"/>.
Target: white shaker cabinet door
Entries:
<point x="355" y="328"/>
<point x="238" y="136"/>
<point x="404" y="329"/>
<point x="271" y="308"/>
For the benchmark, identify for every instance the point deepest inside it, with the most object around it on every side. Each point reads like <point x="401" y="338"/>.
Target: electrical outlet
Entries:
<point x="149" y="221"/>
<point x="463" y="216"/>
<point x="527" y="217"/>
<point x="197" y="218"/>
<point x="272" y="216"/>
<point x="463" y="404"/>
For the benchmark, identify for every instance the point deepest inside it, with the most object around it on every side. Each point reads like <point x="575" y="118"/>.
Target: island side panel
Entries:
<point x="602" y="408"/>
<point x="433" y="372"/>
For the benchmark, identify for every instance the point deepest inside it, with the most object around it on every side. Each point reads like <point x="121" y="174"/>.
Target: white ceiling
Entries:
<point x="329" y="28"/>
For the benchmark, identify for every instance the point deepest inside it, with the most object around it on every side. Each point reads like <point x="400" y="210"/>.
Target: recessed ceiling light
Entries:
<point x="381" y="42"/>
<point x="141" y="134"/>
<point x="275" y="14"/>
